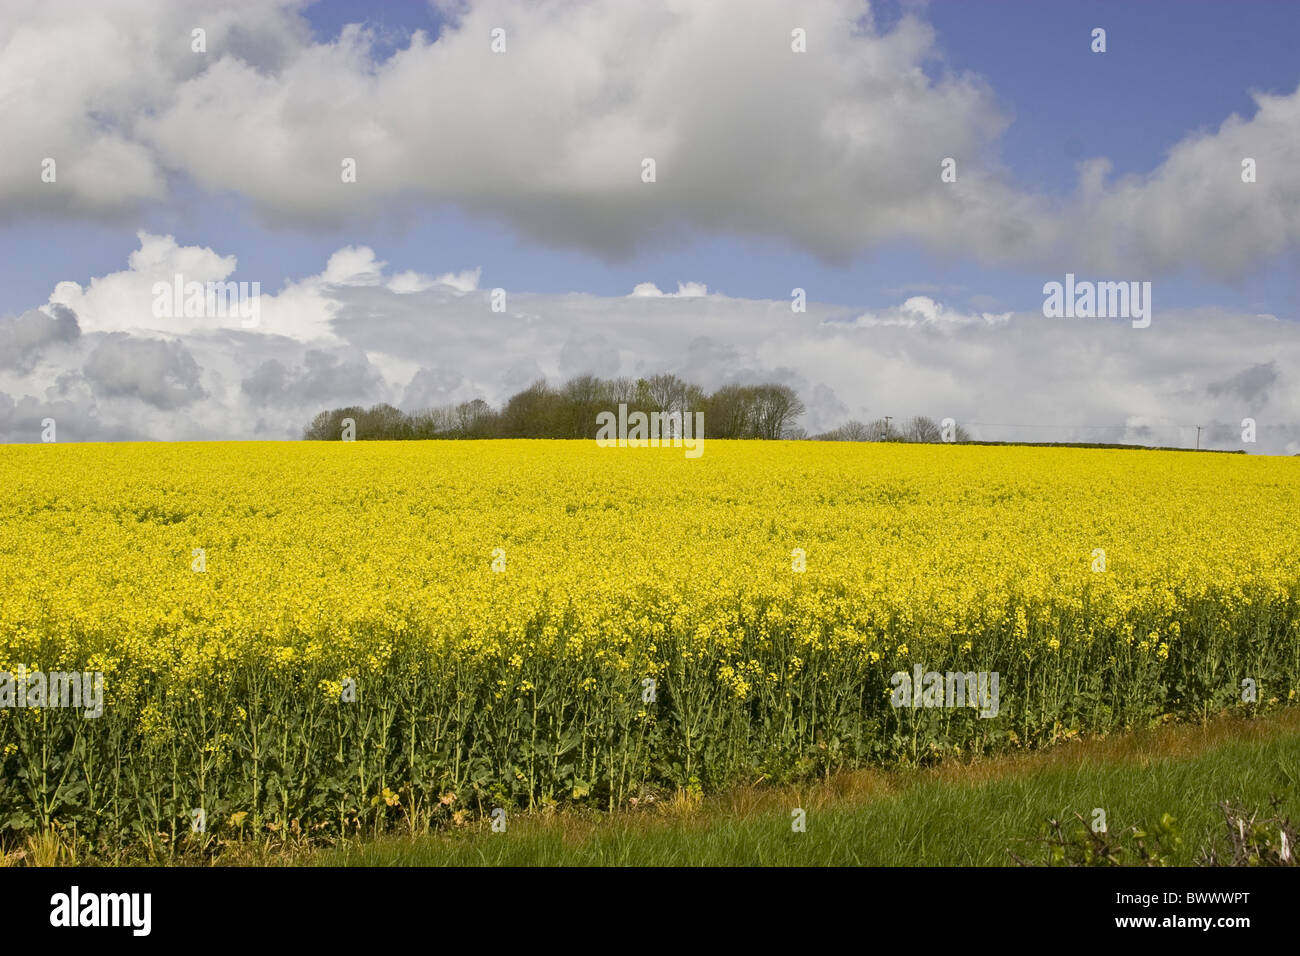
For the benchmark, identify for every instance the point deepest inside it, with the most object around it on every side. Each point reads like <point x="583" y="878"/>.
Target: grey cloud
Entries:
<point x="22" y="420"/>
<point x="22" y="338"/>
<point x="518" y="376"/>
<point x="267" y="382"/>
<point x="582" y="354"/>
<point x="344" y="377"/>
<point x="162" y="374"/>
<point x="433" y="387"/>
<point x="1250" y="384"/>
<point x="825" y="410"/>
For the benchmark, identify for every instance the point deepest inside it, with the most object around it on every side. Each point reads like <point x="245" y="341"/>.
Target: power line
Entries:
<point x="1125" y="430"/>
<point x="1124" y="426"/>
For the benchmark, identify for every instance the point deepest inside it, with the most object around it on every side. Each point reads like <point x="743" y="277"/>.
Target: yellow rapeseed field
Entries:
<point x="334" y="634"/>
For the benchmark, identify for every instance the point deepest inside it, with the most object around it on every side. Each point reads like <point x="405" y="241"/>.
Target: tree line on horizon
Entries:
<point x="763" y="411"/>
<point x="920" y="430"/>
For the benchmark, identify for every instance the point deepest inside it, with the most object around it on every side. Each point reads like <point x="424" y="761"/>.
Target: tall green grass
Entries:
<point x="958" y="815"/>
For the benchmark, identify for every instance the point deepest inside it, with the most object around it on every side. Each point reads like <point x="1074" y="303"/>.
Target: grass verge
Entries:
<point x="957" y="814"/>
